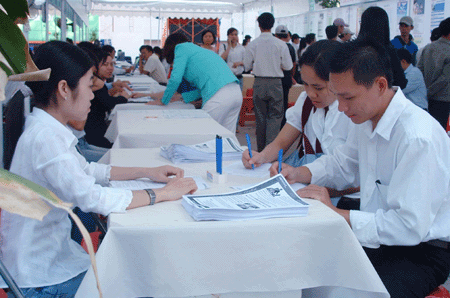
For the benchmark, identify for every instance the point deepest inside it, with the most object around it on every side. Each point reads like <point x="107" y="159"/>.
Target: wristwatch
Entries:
<point x="152" y="196"/>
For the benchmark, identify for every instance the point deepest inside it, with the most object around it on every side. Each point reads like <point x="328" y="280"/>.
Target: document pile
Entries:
<point x="204" y="152"/>
<point x="271" y="198"/>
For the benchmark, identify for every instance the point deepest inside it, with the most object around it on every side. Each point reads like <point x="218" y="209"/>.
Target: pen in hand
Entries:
<point x="249" y="145"/>
<point x="280" y="157"/>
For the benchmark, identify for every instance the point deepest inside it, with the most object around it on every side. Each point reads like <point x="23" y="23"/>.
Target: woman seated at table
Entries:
<point x="40" y="254"/>
<point x="314" y="117"/>
<point x="102" y="103"/>
<point x="209" y="74"/>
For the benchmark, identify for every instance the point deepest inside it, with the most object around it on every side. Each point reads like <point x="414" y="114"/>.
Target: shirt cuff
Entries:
<point x="365" y="228"/>
<point x="117" y="200"/>
<point x="318" y="172"/>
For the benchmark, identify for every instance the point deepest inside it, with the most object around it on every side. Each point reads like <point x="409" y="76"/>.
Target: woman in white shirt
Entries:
<point x="314" y="117"/>
<point x="41" y="256"/>
<point x="233" y="53"/>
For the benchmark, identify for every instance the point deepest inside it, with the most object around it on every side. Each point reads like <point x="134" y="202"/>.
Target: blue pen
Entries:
<point x="219" y="154"/>
<point x="280" y="157"/>
<point x="249" y="145"/>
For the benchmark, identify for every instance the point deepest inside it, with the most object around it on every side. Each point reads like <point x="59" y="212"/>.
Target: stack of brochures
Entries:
<point x="204" y="152"/>
<point x="271" y="198"/>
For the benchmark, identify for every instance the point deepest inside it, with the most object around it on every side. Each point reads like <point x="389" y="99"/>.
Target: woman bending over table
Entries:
<point x="314" y="117"/>
<point x="41" y="255"/>
<point x="209" y="74"/>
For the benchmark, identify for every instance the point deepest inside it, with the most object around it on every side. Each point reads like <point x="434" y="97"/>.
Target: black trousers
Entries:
<point x="440" y="111"/>
<point x="410" y="271"/>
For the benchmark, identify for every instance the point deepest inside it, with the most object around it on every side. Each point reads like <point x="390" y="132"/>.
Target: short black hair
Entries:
<point x="108" y="49"/>
<point x="213" y="34"/>
<point x="366" y="58"/>
<point x="266" y="20"/>
<point x="435" y="34"/>
<point x="97" y="51"/>
<point x="147" y="47"/>
<point x="281" y="35"/>
<point x="231" y="30"/>
<point x="172" y="41"/>
<point x="310" y="37"/>
<point x="295" y="36"/>
<point x="404" y="54"/>
<point x="444" y="27"/>
<point x="331" y="31"/>
<point x="318" y="56"/>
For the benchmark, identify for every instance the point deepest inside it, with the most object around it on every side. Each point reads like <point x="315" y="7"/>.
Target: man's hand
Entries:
<point x="289" y="172"/>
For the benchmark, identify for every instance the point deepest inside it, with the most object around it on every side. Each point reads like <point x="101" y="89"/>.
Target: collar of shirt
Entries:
<point x="389" y="118"/>
<point x="46" y="118"/>
<point x="444" y="40"/>
<point x="409" y="69"/>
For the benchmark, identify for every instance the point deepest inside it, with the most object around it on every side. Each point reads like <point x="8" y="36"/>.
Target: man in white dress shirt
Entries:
<point x="153" y="66"/>
<point x="268" y="57"/>
<point x="400" y="157"/>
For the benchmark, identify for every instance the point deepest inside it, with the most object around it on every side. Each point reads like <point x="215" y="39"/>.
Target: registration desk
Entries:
<point x="160" y="251"/>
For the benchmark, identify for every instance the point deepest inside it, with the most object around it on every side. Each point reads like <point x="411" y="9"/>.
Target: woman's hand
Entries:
<point x="289" y="172"/>
<point x="138" y="94"/>
<point x="163" y="173"/>
<point x="156" y="102"/>
<point x="175" y="189"/>
<point x="257" y="159"/>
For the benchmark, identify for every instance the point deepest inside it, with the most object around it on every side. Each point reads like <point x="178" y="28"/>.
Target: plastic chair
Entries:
<point x="439" y="292"/>
<point x="247" y="113"/>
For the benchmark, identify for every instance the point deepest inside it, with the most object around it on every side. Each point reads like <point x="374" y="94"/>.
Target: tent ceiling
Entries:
<point x="173" y="5"/>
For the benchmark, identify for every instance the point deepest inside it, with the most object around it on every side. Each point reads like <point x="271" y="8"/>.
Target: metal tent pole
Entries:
<point x="10" y="282"/>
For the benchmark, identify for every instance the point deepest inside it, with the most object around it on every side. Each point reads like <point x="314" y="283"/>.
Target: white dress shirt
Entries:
<point x="156" y="69"/>
<point x="41" y="253"/>
<point x="403" y="167"/>
<point x="331" y="130"/>
<point x="236" y="54"/>
<point x="268" y="56"/>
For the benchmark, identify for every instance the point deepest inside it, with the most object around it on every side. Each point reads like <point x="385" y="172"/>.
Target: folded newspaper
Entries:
<point x="203" y="152"/>
<point x="271" y="198"/>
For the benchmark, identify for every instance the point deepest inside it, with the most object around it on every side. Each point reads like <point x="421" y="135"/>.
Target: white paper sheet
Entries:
<point x="144" y="183"/>
<point x="238" y="169"/>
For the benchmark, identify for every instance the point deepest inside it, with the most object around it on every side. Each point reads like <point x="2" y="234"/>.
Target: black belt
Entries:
<point x="439" y="243"/>
<point x="267" y="77"/>
<point x="239" y="76"/>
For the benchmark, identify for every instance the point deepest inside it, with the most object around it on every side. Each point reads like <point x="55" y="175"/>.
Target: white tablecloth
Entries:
<point x="137" y="79"/>
<point x="177" y="105"/>
<point x="155" y="128"/>
<point x="160" y="251"/>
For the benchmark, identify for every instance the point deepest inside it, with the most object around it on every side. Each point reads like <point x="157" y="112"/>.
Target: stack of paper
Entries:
<point x="271" y="198"/>
<point x="203" y="152"/>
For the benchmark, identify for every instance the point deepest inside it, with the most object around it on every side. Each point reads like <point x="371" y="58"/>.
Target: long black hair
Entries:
<point x="375" y="25"/>
<point x="67" y="62"/>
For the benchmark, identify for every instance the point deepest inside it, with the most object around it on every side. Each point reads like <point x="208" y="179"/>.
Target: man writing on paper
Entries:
<point x="400" y="156"/>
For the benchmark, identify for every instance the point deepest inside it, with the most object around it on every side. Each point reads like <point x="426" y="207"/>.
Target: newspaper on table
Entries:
<point x="271" y="198"/>
<point x="204" y="152"/>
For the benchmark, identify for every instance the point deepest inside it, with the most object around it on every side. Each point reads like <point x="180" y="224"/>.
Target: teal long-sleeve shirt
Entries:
<point x="202" y="68"/>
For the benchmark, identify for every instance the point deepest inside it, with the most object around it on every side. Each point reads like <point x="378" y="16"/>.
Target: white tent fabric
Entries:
<point x="218" y="6"/>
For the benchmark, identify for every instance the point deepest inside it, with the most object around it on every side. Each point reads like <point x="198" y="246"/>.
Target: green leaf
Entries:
<point x="6" y="177"/>
<point x="15" y="8"/>
<point x="12" y="44"/>
<point x="6" y="69"/>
